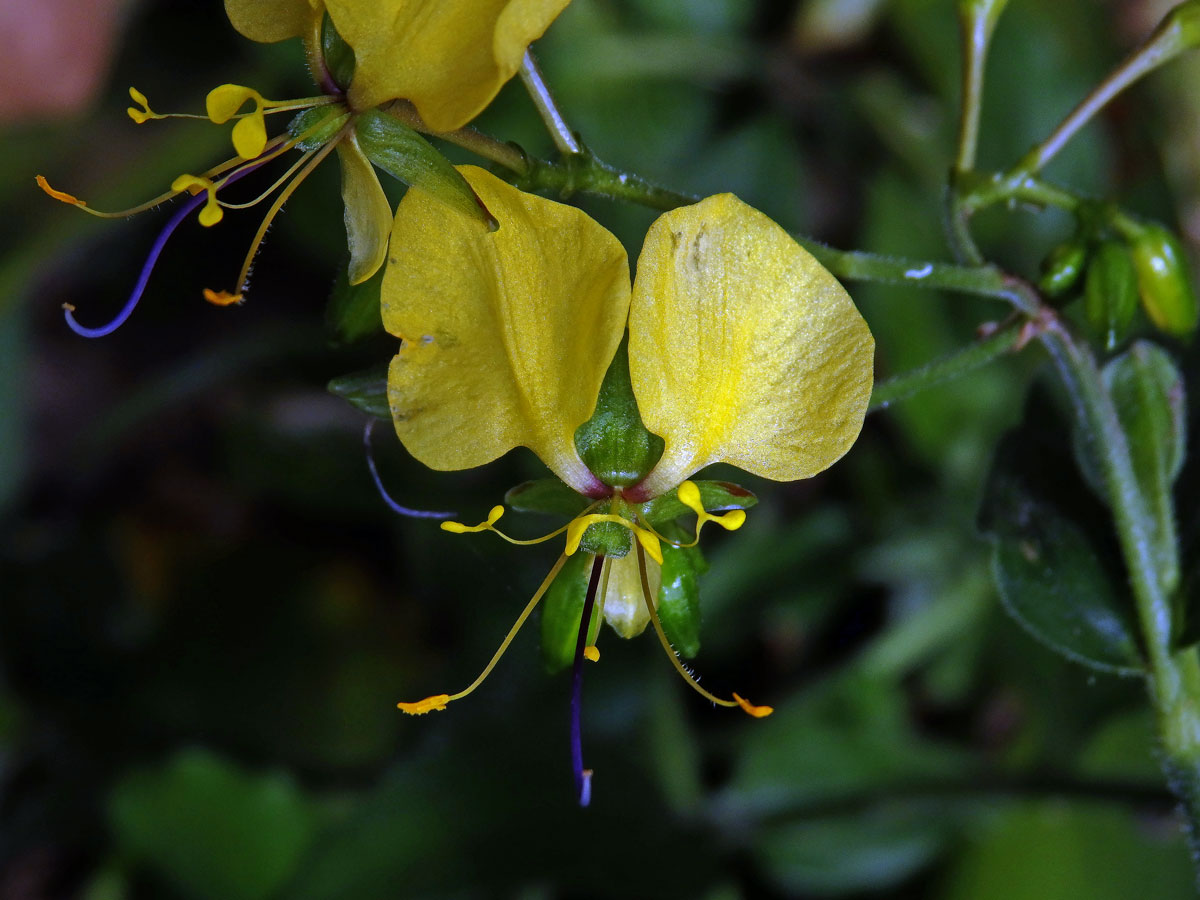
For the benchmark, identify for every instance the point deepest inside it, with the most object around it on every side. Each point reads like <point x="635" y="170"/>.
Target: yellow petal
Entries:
<point x="449" y="57"/>
<point x="272" y="20"/>
<point x="743" y="348"/>
<point x="367" y="211"/>
<point x="624" y="608"/>
<point x="507" y="334"/>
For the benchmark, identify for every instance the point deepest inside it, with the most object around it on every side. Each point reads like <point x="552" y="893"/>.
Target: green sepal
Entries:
<point x="405" y="155"/>
<point x="328" y="121"/>
<point x="679" y="595"/>
<point x="614" y="443"/>
<point x="367" y="390"/>
<point x="1110" y="294"/>
<point x="1168" y="295"/>
<point x="1062" y="267"/>
<point x="339" y="57"/>
<point x="715" y="496"/>
<point x="561" y="609"/>
<point x="352" y="312"/>
<point x="546" y="495"/>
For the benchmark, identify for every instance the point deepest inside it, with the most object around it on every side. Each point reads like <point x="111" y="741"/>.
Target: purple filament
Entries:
<point x="392" y="504"/>
<point x="583" y="777"/>
<point x="151" y="260"/>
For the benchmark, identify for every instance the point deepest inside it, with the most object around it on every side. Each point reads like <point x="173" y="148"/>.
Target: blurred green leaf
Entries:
<point x="1053" y="578"/>
<point x="214" y="831"/>
<point x="353" y="310"/>
<point x="366" y="390"/>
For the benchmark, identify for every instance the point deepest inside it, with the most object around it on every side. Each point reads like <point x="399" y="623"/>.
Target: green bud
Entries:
<point x="327" y="120"/>
<point x="546" y="495"/>
<point x="1062" y="267"/>
<point x="606" y="538"/>
<point x="1163" y="280"/>
<point x="405" y="155"/>
<point x="367" y="390"/>
<point x="1180" y="28"/>
<point x="1110" y="293"/>
<point x="614" y="443"/>
<point x="562" y="608"/>
<point x="715" y="496"/>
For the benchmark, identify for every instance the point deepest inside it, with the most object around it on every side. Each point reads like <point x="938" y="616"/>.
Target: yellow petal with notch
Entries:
<point x="449" y="57"/>
<point x="743" y="348"/>
<point x="268" y="21"/>
<point x="506" y="334"/>
<point x="624" y="607"/>
<point x="367" y="211"/>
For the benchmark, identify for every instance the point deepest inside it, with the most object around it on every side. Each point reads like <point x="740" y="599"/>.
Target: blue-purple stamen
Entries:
<point x="151" y="260"/>
<point x="583" y="777"/>
<point x="392" y="504"/>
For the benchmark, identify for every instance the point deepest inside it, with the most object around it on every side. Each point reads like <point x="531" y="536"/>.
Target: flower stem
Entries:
<point x="977" y="20"/>
<point x="564" y="138"/>
<point x="954" y="365"/>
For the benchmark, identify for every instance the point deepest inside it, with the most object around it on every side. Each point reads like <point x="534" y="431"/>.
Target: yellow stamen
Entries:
<point x="250" y="132"/>
<point x="489" y="523"/>
<point x="315" y="158"/>
<point x="689" y="496"/>
<point x="756" y="711"/>
<point x="221" y="298"/>
<point x="146" y="113"/>
<point x="577" y="526"/>
<point x="592" y="653"/>
<point x="439" y="701"/>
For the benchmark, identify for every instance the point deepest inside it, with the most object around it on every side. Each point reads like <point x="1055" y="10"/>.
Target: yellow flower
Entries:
<point x="742" y="349"/>
<point x="448" y="57"/>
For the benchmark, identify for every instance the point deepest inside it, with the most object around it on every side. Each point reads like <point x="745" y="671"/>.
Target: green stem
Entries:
<point x="954" y="365"/>
<point x="1177" y="32"/>
<point x="1174" y="676"/>
<point x="977" y="20"/>
<point x="564" y="138"/>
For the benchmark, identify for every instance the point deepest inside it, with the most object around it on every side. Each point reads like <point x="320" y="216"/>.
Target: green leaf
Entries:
<point x="561" y="610"/>
<point x="1054" y="574"/>
<point x="546" y="495"/>
<point x="367" y="390"/>
<point x="405" y="155"/>
<point x="1147" y="390"/>
<point x="714" y="496"/>
<point x="211" y="829"/>
<point x="352" y="313"/>
<point x="614" y="443"/>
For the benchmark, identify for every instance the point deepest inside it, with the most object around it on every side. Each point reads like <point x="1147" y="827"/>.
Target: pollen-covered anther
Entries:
<point x="212" y="213"/>
<point x="758" y="712"/>
<point x="591" y="653"/>
<point x="222" y="298"/>
<point x="62" y="196"/>
<point x="250" y="133"/>
<point x="689" y="496"/>
<point x="429" y="704"/>
<point x="143" y="114"/>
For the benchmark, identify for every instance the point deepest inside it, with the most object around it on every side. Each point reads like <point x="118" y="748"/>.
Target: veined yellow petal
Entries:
<point x="449" y="57"/>
<point x="743" y="348"/>
<point x="272" y="20"/>
<point x="367" y="211"/>
<point x="506" y="334"/>
<point x="624" y="607"/>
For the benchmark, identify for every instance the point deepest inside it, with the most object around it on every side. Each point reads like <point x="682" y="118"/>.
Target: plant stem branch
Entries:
<point x="954" y="365"/>
<point x="564" y="138"/>
<point x="1170" y="38"/>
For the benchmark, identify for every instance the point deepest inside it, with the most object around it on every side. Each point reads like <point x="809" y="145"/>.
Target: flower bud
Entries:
<point x="1110" y="293"/>
<point x="1163" y="280"/>
<point x="1062" y="267"/>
